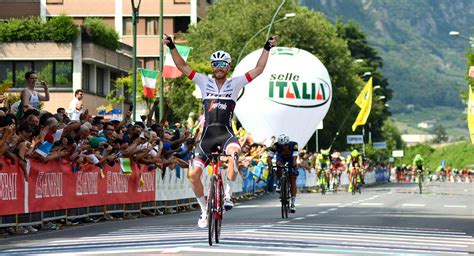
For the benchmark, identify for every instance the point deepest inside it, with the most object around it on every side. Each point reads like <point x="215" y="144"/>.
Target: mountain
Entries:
<point x="425" y="66"/>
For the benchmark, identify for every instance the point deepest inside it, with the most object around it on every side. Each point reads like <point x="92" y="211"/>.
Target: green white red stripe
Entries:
<point x="149" y="82"/>
<point x="169" y="68"/>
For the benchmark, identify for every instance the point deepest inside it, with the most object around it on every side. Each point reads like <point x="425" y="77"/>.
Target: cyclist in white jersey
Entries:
<point x="219" y="97"/>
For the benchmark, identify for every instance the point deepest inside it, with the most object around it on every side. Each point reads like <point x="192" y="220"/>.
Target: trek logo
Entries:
<point x="218" y="105"/>
<point x="228" y="95"/>
<point x="287" y="89"/>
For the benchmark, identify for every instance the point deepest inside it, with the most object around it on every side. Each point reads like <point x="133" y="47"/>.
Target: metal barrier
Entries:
<point x="172" y="191"/>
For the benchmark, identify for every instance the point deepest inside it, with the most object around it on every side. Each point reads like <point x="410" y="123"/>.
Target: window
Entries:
<point x="63" y="74"/>
<point x="45" y="71"/>
<point x="6" y="72"/>
<point x="86" y="77"/>
<point x="55" y="73"/>
<point x="21" y="67"/>
<point x="113" y="80"/>
<point x="127" y="26"/>
<point x="181" y="24"/>
<point x="151" y="26"/>
<point x="100" y="82"/>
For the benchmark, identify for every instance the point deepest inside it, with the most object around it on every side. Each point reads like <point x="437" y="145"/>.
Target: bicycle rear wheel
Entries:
<point x="284" y="197"/>
<point x="211" y="206"/>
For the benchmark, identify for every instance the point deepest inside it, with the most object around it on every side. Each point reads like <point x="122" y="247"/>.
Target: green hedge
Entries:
<point x="101" y="34"/>
<point x="59" y="29"/>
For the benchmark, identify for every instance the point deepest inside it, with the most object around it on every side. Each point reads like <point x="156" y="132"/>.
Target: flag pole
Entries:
<point x="135" y="10"/>
<point x="161" y="64"/>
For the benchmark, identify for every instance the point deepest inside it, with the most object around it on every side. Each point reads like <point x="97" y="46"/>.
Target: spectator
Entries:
<point x="76" y="105"/>
<point x="29" y="98"/>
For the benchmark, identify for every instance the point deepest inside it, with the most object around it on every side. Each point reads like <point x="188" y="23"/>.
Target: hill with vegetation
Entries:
<point x="456" y="155"/>
<point x="424" y="65"/>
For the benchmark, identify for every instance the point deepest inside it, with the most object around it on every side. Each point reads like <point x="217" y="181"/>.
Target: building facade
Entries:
<point x="82" y="65"/>
<point x="178" y="15"/>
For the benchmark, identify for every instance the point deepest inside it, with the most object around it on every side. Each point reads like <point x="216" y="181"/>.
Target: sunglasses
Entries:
<point x="219" y="64"/>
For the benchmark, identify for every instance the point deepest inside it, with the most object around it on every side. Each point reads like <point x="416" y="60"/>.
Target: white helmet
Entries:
<point x="283" y="139"/>
<point x="221" y="56"/>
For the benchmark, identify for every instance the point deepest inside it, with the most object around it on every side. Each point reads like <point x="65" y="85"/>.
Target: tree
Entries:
<point x="373" y="63"/>
<point x="440" y="134"/>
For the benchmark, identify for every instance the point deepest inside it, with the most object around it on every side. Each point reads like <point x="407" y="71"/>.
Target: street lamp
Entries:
<point x="358" y="61"/>
<point x="273" y="18"/>
<point x="368" y="73"/>
<point x="458" y="34"/>
<point x="381" y="97"/>
<point x="288" y="15"/>
<point x="377" y="87"/>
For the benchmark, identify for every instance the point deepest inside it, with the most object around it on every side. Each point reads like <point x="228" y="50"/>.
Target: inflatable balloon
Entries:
<point x="291" y="96"/>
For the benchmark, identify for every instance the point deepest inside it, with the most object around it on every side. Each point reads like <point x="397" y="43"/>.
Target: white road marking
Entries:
<point x="329" y="204"/>
<point x="299" y="218"/>
<point x="283" y="222"/>
<point x="332" y="209"/>
<point x="311" y="215"/>
<point x="175" y="249"/>
<point x="371" y="204"/>
<point x="454" y="206"/>
<point x="323" y="212"/>
<point x="247" y="206"/>
<point x="414" y="205"/>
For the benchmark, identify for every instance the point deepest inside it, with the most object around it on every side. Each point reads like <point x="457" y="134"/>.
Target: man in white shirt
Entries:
<point x="75" y="106"/>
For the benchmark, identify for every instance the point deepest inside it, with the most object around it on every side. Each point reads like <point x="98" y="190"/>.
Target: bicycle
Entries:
<point x="322" y="181"/>
<point x="285" y="190"/>
<point x="215" y="199"/>
<point x="420" y="179"/>
<point x="356" y="183"/>
<point x="334" y="180"/>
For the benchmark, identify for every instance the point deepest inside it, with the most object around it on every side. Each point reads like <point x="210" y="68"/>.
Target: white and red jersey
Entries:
<point x="219" y="104"/>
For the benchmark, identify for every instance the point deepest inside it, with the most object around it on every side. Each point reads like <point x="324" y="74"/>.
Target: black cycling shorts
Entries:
<point x="214" y="136"/>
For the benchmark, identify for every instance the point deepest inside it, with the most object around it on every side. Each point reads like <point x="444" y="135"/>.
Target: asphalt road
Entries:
<point x="384" y="219"/>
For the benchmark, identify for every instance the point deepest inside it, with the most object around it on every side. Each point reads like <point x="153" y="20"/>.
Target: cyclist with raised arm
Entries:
<point x="286" y="152"/>
<point x="219" y="97"/>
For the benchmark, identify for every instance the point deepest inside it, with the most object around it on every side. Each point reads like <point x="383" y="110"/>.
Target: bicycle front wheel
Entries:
<point x="211" y="207"/>
<point x="284" y="197"/>
<point x="220" y="208"/>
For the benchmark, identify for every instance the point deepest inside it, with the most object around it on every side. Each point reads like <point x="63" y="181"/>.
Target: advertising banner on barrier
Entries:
<point x="12" y="188"/>
<point x="54" y="186"/>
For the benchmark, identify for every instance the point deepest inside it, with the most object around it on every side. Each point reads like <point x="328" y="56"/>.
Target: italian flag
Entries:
<point x="149" y="82"/>
<point x="169" y="68"/>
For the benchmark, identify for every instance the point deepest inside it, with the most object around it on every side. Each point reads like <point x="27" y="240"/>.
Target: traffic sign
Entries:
<point x="355" y="139"/>
<point x="443" y="163"/>
<point x="391" y="159"/>
<point x="380" y="145"/>
<point x="397" y="153"/>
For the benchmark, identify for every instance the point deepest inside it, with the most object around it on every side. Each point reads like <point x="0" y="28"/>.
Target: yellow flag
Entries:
<point x="109" y="108"/>
<point x="364" y="101"/>
<point x="470" y="114"/>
